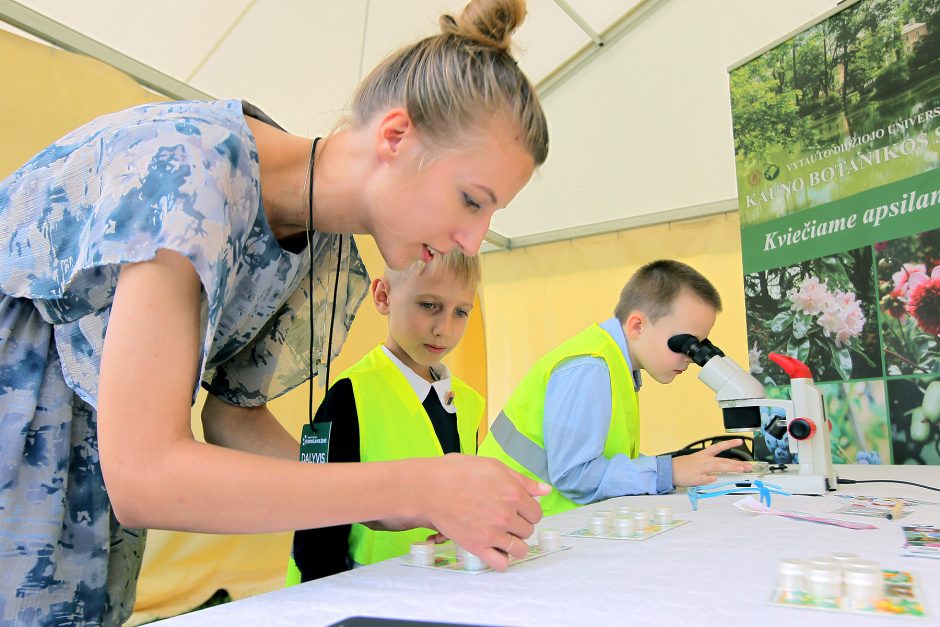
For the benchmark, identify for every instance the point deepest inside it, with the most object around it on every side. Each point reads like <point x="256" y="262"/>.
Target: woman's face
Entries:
<point x="421" y="209"/>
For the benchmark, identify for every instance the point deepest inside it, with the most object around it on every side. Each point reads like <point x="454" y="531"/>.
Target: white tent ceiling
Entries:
<point x="640" y="126"/>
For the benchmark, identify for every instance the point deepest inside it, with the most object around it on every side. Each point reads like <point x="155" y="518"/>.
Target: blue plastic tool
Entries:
<point x="747" y="486"/>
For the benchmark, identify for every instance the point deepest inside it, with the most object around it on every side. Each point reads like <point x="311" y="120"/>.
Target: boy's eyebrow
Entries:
<point x="487" y="191"/>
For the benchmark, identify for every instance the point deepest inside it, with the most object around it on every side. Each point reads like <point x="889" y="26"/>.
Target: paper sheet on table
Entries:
<point x="750" y="504"/>
<point x="875" y="506"/>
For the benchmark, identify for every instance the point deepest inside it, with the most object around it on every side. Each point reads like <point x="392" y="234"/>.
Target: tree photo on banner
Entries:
<point x="837" y="148"/>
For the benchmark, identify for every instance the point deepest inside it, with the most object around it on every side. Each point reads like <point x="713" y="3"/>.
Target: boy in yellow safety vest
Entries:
<point x="574" y="422"/>
<point x="398" y="401"/>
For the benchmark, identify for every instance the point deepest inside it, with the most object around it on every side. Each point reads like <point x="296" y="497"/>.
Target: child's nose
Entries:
<point x="442" y="327"/>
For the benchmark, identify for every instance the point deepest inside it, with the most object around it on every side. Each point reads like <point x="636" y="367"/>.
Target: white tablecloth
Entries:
<point x="717" y="570"/>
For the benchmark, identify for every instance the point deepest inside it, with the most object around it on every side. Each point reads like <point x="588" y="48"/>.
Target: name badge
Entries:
<point x="315" y="443"/>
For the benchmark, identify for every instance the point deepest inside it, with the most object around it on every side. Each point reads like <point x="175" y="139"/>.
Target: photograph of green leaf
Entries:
<point x="915" y="420"/>
<point x="859" y="418"/>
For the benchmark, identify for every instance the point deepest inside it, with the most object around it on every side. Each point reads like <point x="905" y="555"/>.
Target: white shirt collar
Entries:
<point x="421" y="386"/>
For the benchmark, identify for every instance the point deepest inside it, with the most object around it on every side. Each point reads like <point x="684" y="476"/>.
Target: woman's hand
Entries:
<point x="478" y="502"/>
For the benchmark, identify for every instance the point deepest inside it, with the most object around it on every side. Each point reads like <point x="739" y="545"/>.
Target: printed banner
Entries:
<point x="837" y="148"/>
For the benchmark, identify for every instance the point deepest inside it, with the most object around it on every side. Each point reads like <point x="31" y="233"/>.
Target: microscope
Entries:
<point x="741" y="398"/>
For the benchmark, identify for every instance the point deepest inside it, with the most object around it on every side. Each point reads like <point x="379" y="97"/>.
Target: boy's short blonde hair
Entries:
<point x="464" y="268"/>
<point x="653" y="288"/>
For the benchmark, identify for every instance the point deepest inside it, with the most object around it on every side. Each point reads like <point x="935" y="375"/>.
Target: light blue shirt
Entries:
<point x="578" y="405"/>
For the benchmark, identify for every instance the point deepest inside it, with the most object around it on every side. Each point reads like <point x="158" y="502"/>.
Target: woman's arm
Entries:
<point x="248" y="429"/>
<point x="158" y="475"/>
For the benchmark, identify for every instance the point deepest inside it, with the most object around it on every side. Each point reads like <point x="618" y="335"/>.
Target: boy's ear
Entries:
<point x="634" y="324"/>
<point x="380" y="292"/>
<point x="394" y="127"/>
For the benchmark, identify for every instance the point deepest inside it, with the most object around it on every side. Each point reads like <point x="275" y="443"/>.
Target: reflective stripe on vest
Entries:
<point x="514" y="442"/>
<point x="519" y="447"/>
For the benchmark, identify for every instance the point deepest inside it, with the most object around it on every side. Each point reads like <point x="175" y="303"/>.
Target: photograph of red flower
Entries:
<point x="909" y="292"/>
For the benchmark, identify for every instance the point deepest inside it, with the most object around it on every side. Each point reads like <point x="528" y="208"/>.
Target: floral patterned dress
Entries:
<point x="180" y="176"/>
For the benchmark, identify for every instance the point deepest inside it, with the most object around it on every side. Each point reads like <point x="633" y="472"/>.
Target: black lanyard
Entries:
<point x="339" y="256"/>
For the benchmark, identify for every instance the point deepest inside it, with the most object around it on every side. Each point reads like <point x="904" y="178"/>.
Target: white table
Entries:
<point x="717" y="570"/>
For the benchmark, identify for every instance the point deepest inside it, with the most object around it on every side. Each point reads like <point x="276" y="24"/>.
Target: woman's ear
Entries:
<point x="381" y="288"/>
<point x="394" y="128"/>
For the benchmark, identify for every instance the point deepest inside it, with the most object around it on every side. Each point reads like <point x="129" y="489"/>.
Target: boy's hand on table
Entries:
<point x="700" y="468"/>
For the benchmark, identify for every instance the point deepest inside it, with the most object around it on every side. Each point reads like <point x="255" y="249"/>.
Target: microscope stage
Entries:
<point x="789" y="480"/>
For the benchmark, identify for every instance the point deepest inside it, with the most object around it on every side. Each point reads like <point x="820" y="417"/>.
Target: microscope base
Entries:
<point x="790" y="480"/>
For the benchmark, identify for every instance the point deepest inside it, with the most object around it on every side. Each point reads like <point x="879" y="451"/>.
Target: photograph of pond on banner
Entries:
<point x="837" y="153"/>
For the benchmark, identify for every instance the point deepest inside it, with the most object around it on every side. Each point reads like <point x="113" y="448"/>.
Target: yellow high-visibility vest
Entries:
<point x="393" y="424"/>
<point x="517" y="435"/>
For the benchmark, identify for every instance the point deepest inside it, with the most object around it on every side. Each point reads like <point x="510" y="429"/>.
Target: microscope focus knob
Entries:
<point x="801" y="429"/>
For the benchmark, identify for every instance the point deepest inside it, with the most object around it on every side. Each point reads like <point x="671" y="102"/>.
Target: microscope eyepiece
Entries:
<point x="681" y="343"/>
<point x="699" y="350"/>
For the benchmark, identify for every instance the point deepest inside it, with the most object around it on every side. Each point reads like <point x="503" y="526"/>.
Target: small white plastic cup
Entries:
<point x="625" y="528"/>
<point x="824" y="580"/>
<point x="843" y="558"/>
<point x="864" y="586"/>
<point x="623" y="511"/>
<point x="641" y="519"/>
<point x="822" y="561"/>
<point x="604" y="517"/>
<point x="791" y="574"/>
<point x="422" y="553"/>
<point x="662" y="516"/>
<point x="860" y="563"/>
<point x="607" y="514"/>
<point x="460" y="552"/>
<point x="598" y="526"/>
<point x="472" y="562"/>
<point x="549" y="540"/>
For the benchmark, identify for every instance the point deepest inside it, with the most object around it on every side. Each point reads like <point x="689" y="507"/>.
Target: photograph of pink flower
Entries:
<point x="909" y="292"/>
<point x="820" y="311"/>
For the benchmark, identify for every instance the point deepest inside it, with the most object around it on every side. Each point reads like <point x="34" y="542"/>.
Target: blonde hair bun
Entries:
<point x="455" y="82"/>
<point x="489" y="23"/>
